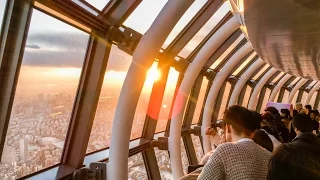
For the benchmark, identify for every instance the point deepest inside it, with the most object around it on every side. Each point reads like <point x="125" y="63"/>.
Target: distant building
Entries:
<point x="24" y="149"/>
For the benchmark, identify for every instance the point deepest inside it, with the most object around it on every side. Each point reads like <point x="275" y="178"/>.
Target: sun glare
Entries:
<point x="153" y="75"/>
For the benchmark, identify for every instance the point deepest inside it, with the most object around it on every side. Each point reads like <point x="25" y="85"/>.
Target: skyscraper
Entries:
<point x="24" y="145"/>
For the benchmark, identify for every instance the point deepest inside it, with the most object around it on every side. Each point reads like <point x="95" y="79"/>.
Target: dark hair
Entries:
<point x="241" y="119"/>
<point x="308" y="106"/>
<point x="293" y="161"/>
<point x="303" y="123"/>
<point x="262" y="138"/>
<point x="286" y="113"/>
<point x="272" y="109"/>
<point x="316" y="112"/>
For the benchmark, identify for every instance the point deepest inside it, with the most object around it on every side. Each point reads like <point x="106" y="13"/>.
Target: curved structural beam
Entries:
<point x="189" y="79"/>
<point x="254" y="97"/>
<point x="143" y="58"/>
<point x="214" y="90"/>
<point x="295" y="89"/>
<point x="278" y="87"/>
<point x="242" y="81"/>
<point x="311" y="92"/>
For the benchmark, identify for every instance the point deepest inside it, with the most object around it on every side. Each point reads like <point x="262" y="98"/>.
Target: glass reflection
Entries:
<point x="224" y="101"/>
<point x="2" y="7"/>
<point x="285" y="96"/>
<point x="246" y="97"/>
<point x="136" y="168"/>
<point x="44" y="97"/>
<point x="265" y="100"/>
<point x="200" y="101"/>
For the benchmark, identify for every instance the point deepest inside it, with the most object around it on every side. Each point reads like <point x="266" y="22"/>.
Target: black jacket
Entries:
<point x="306" y="138"/>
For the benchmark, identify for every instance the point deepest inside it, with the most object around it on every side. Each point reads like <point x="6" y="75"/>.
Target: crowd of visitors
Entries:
<point x="278" y="144"/>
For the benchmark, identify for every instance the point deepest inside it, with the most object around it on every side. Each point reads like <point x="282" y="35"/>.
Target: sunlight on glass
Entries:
<point x="304" y="97"/>
<point x="312" y="84"/>
<point x="244" y="64"/>
<point x="2" y="7"/>
<point x="99" y="4"/>
<point x="185" y="19"/>
<point x="295" y="98"/>
<point x="278" y="77"/>
<point x="261" y="72"/>
<point x="224" y="101"/>
<point x="153" y="74"/>
<point x="205" y="30"/>
<point x="227" y="52"/>
<point x="313" y="99"/>
<point x="295" y="81"/>
<point x="246" y="97"/>
<point x="265" y="100"/>
<point x="200" y="101"/>
<point x="285" y="96"/>
<point x="144" y="15"/>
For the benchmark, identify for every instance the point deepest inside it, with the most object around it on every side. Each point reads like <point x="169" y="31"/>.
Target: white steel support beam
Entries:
<point x="277" y="88"/>
<point x="214" y="90"/>
<point x="295" y="89"/>
<point x="143" y="57"/>
<point x="190" y="76"/>
<point x="254" y="97"/>
<point x="311" y="92"/>
<point x="242" y="81"/>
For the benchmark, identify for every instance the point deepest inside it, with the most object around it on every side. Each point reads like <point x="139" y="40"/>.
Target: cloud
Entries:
<point x="33" y="46"/>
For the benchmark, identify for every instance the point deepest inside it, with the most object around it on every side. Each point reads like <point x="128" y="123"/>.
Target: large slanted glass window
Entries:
<point x="99" y="4"/>
<point x="285" y="96"/>
<point x="224" y="101"/>
<point x="244" y="64"/>
<point x="205" y="30"/>
<point x="200" y="101"/>
<point x="44" y="98"/>
<point x="167" y="100"/>
<point x="197" y="147"/>
<point x="2" y="7"/>
<point x="295" y="81"/>
<point x="117" y="68"/>
<point x="277" y="78"/>
<point x="313" y="99"/>
<point x="246" y="97"/>
<point x="227" y="52"/>
<point x="265" y="100"/>
<point x="164" y="164"/>
<point x="265" y="67"/>
<point x="304" y="97"/>
<point x="136" y="168"/>
<point x="185" y="19"/>
<point x="295" y="98"/>
<point x="144" y="15"/>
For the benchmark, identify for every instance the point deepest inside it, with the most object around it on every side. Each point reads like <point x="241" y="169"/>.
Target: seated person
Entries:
<point x="299" y="159"/>
<point x="240" y="157"/>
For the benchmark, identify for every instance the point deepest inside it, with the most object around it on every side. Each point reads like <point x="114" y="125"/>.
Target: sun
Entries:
<point x="153" y="75"/>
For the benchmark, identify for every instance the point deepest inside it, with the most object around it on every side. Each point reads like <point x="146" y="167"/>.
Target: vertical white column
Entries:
<point x="278" y="87"/>
<point x="254" y="97"/>
<point x="295" y="89"/>
<point x="311" y="92"/>
<point x="188" y="81"/>
<point x="214" y="90"/>
<point x="143" y="58"/>
<point x="242" y="81"/>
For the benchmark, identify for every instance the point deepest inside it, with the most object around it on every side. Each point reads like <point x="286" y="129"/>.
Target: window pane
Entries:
<point x="295" y="97"/>
<point x="313" y="99"/>
<point x="144" y="15"/>
<point x="167" y="100"/>
<point x="2" y="7"/>
<point x="304" y="97"/>
<point x="278" y="77"/>
<point x="185" y="19"/>
<point x="142" y="107"/>
<point x="227" y="52"/>
<point x="247" y="96"/>
<point x="265" y="100"/>
<point x="312" y="84"/>
<point x="205" y="30"/>
<point x="164" y="164"/>
<point x="86" y="7"/>
<point x="185" y="161"/>
<point x="295" y="81"/>
<point x="99" y="4"/>
<point x="285" y="96"/>
<point x="225" y="99"/>
<point x="244" y="64"/>
<point x="117" y="68"/>
<point x="136" y="168"/>
<point x="261" y="72"/>
<point x="277" y="96"/>
<point x="44" y="97"/>
<point x="200" y="101"/>
<point x="197" y="147"/>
